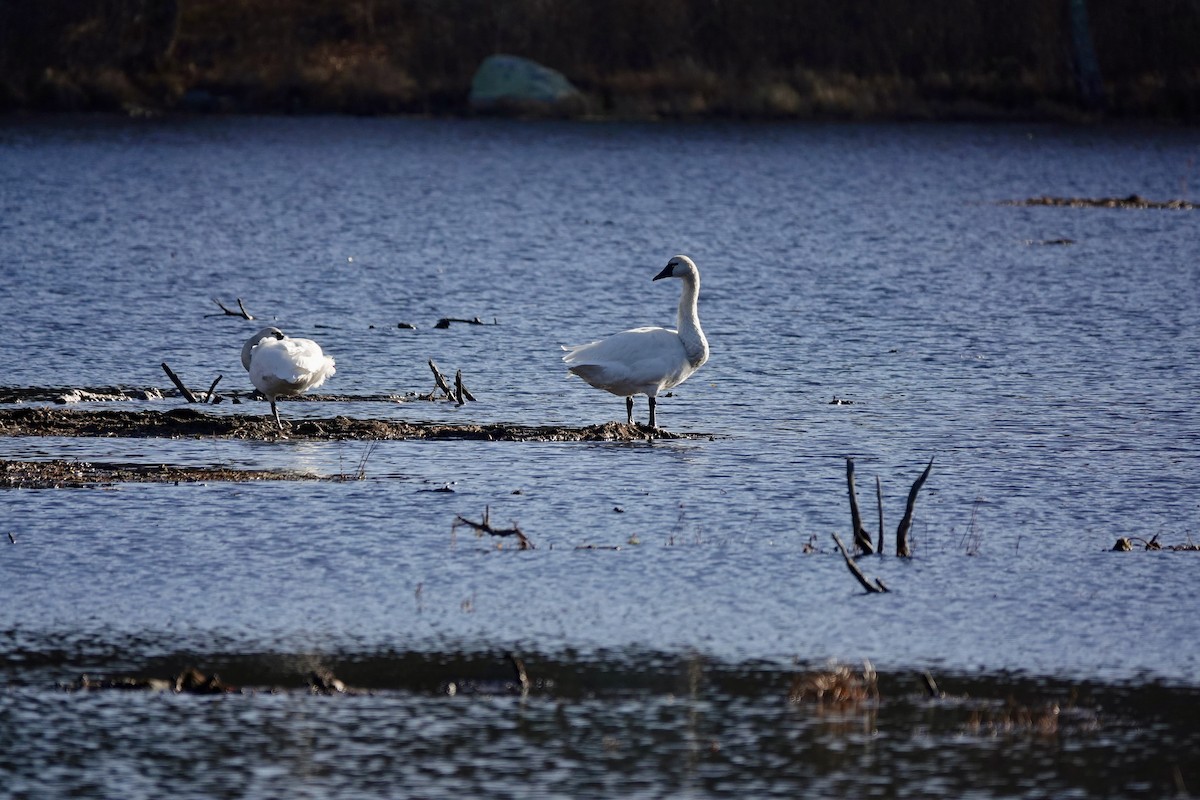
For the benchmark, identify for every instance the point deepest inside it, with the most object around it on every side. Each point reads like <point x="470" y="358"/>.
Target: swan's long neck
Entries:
<point x="688" y="323"/>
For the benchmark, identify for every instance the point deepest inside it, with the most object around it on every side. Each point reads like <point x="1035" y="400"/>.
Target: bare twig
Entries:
<point x="486" y="527"/>
<point x="902" y="548"/>
<point x="210" y="396"/>
<point x="241" y="312"/>
<point x="862" y="539"/>
<point x="191" y="398"/>
<point x="873" y="588"/>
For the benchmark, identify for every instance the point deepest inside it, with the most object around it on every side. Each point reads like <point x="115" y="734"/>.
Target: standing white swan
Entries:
<point x="647" y="360"/>
<point x="281" y="366"/>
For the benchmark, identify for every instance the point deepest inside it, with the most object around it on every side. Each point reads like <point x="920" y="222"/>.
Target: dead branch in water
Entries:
<point x="460" y="389"/>
<point x="862" y="539"/>
<point x="441" y="381"/>
<point x="872" y="588"/>
<point x="879" y="502"/>
<point x="241" y="312"/>
<point x="444" y="322"/>
<point x="460" y="393"/>
<point x="191" y="398"/>
<point x="214" y="399"/>
<point x="485" y="526"/>
<point x="902" y="548"/>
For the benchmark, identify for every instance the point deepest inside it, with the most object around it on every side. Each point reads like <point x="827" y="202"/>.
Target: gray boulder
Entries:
<point x="506" y="83"/>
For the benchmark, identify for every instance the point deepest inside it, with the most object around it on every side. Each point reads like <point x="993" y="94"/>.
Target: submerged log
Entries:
<point x="444" y="322"/>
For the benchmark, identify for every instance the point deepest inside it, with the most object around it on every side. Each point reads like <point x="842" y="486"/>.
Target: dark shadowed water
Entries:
<point x="1054" y="385"/>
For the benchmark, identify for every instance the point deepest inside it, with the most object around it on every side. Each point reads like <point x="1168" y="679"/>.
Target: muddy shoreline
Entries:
<point x="189" y="423"/>
<point x="61" y="474"/>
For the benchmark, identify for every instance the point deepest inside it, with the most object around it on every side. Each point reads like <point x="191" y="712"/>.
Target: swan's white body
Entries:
<point x="647" y="360"/>
<point x="280" y="366"/>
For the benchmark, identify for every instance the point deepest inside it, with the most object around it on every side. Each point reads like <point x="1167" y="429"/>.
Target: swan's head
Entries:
<point x="678" y="267"/>
<point x="252" y="342"/>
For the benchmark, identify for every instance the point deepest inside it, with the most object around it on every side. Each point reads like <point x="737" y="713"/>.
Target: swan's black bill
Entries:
<point x="666" y="273"/>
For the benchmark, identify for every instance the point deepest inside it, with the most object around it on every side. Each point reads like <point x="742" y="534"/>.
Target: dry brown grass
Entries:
<point x="839" y="685"/>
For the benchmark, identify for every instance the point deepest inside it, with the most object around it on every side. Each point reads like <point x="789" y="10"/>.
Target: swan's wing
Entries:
<point x="308" y="359"/>
<point x="289" y="365"/>
<point x="631" y="362"/>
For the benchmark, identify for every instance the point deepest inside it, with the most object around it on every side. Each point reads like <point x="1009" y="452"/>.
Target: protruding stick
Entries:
<point x="879" y="501"/>
<point x="862" y="539"/>
<point x="902" y="548"/>
<point x="191" y="398"/>
<point x="210" y="396"/>
<point x="440" y="379"/>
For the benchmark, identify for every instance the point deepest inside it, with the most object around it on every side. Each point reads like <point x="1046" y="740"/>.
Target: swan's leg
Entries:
<point x="275" y="411"/>
<point x="629" y="409"/>
<point x="653" y="402"/>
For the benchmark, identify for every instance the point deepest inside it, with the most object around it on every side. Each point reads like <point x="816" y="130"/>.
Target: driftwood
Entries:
<point x="441" y="381"/>
<point x="902" y="548"/>
<point x="485" y="526"/>
<point x="461" y="392"/>
<point x="444" y="322"/>
<point x="183" y="390"/>
<point x="862" y="539"/>
<point x="241" y="313"/>
<point x="872" y="588"/>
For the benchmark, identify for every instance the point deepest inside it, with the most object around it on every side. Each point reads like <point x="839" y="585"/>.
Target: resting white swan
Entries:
<point x="647" y="360"/>
<point x="281" y="366"/>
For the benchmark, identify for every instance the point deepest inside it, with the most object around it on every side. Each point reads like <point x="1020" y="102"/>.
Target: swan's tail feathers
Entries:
<point x="574" y="351"/>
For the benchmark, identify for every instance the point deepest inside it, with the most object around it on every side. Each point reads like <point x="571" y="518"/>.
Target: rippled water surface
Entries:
<point x="1054" y="385"/>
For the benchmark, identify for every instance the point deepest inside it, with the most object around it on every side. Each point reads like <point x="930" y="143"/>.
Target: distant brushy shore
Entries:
<point x="631" y="59"/>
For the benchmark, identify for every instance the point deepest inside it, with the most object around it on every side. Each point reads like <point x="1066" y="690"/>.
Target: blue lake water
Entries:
<point x="1054" y="385"/>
